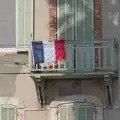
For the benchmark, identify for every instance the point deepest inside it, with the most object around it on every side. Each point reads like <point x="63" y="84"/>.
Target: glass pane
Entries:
<point x="11" y="114"/>
<point x="71" y="113"/>
<point x="65" y="19"/>
<point x="4" y="113"/>
<point x="63" y="113"/>
<point x="89" y="19"/>
<point x="79" y="20"/>
<point x="80" y="113"/>
<point x="69" y="19"/>
<point x="89" y="113"/>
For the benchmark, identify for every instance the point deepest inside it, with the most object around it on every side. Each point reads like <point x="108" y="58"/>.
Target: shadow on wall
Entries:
<point x="7" y="81"/>
<point x="63" y="88"/>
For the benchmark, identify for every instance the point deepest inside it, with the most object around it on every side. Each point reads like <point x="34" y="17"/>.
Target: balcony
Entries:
<point x="87" y="58"/>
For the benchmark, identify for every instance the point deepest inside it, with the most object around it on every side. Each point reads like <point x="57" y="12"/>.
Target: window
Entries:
<point x="8" y="112"/>
<point x="76" y="111"/>
<point x="79" y="20"/>
<point x="24" y="26"/>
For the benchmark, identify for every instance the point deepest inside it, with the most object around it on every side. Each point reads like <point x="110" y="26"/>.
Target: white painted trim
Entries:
<point x="32" y="15"/>
<point x="22" y="49"/>
<point x="8" y="50"/>
<point x="17" y="21"/>
<point x="25" y="18"/>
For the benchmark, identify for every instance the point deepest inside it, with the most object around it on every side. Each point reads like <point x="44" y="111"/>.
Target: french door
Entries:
<point x="75" y="22"/>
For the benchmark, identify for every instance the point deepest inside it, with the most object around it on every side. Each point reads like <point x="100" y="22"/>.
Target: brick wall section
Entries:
<point x="97" y="19"/>
<point x="52" y="19"/>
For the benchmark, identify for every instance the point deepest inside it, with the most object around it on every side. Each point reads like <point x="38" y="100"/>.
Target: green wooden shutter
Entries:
<point x="24" y="24"/>
<point x="90" y="113"/>
<point x="75" y="22"/>
<point x="4" y="114"/>
<point x="80" y="115"/>
<point x="79" y="20"/>
<point x="89" y="19"/>
<point x="84" y="20"/>
<point x="65" y="28"/>
<point x="12" y="114"/>
<point x="84" y="53"/>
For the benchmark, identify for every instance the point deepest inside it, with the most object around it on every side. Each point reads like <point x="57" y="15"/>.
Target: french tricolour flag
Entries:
<point x="45" y="51"/>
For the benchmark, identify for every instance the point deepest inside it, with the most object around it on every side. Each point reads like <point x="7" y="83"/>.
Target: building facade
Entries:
<point x="85" y="86"/>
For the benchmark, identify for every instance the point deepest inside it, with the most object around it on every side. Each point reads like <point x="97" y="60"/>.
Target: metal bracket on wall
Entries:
<point x="108" y="90"/>
<point x="40" y="86"/>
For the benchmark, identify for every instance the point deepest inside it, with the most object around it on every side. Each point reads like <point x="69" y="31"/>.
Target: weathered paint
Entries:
<point x="7" y="23"/>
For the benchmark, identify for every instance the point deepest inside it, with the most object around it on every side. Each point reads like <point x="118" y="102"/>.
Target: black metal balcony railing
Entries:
<point x="89" y="56"/>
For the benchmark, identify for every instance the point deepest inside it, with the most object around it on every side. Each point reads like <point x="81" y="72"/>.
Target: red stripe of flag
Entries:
<point x="59" y="50"/>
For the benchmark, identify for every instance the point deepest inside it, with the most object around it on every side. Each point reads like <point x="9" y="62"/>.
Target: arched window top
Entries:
<point x="77" y="104"/>
<point x="76" y="99"/>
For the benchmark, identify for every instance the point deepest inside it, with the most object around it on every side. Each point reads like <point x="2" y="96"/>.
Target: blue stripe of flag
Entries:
<point x="38" y="52"/>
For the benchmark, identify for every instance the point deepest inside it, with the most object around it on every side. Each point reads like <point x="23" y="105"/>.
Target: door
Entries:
<point x="75" y="20"/>
<point x="24" y="24"/>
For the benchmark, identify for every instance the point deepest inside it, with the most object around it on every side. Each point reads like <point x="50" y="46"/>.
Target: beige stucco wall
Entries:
<point x="41" y="20"/>
<point x="37" y="115"/>
<point x="20" y="88"/>
<point x="26" y="91"/>
<point x="76" y="98"/>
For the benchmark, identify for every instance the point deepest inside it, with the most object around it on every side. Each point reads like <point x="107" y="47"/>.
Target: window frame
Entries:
<point x="81" y="105"/>
<point x="7" y="106"/>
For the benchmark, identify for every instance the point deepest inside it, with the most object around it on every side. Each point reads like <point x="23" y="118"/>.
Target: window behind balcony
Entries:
<point x="75" y="19"/>
<point x="76" y="111"/>
<point x="79" y="20"/>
